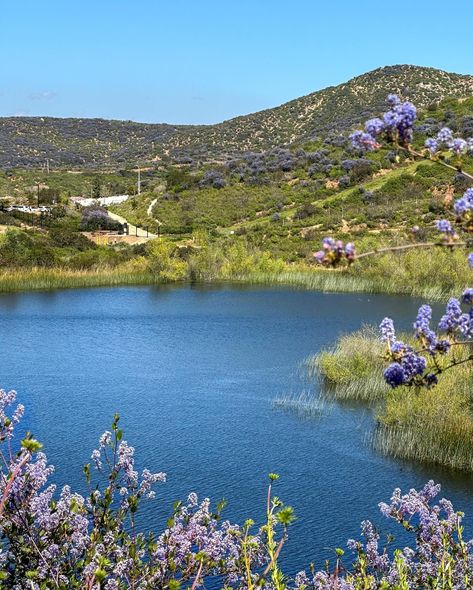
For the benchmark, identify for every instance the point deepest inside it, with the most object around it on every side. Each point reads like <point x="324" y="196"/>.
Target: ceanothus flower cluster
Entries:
<point x="444" y="140"/>
<point x="396" y="125"/>
<point x="334" y="252"/>
<point x="65" y="541"/>
<point x="421" y="367"/>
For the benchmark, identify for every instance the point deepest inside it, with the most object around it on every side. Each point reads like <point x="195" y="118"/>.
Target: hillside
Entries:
<point x="98" y="143"/>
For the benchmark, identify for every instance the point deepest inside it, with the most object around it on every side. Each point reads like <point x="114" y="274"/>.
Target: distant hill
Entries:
<point x="99" y="143"/>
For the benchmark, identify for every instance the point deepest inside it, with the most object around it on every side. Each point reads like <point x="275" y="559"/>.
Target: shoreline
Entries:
<point x="325" y="281"/>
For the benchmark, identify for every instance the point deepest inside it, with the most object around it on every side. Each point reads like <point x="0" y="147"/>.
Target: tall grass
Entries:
<point x="304" y="405"/>
<point x="427" y="425"/>
<point x="432" y="274"/>
<point x="353" y="368"/>
<point x="52" y="278"/>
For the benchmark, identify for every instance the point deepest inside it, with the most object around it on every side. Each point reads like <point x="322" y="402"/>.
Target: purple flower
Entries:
<point x="450" y="321"/>
<point x="424" y="315"/>
<point x="470" y="259"/>
<point x="319" y="256"/>
<point x="467" y="296"/>
<point x="328" y="243"/>
<point x="393" y="100"/>
<point x="445" y="135"/>
<point x="444" y="226"/>
<point x="350" y="250"/>
<point x="387" y="330"/>
<point x="394" y="375"/>
<point x="458" y="146"/>
<point x="374" y="127"/>
<point x="432" y="145"/>
<point x="363" y="141"/>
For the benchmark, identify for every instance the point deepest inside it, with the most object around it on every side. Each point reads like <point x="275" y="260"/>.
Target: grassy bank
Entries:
<point x="430" y="425"/>
<point x="432" y="274"/>
<point x="49" y="278"/>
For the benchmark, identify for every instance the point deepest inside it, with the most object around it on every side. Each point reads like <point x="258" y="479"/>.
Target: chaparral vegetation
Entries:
<point x="392" y="206"/>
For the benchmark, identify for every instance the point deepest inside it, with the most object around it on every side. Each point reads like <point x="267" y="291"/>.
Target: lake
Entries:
<point x="193" y="372"/>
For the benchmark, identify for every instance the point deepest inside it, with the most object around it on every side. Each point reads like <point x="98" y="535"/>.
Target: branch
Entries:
<point x="410" y="247"/>
<point x="410" y="150"/>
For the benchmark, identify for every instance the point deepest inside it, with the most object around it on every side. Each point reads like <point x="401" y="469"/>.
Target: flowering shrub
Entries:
<point x="334" y="252"/>
<point x="447" y="346"/>
<point x="65" y="540"/>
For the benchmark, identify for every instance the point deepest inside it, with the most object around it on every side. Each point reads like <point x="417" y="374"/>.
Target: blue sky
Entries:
<point x="203" y="61"/>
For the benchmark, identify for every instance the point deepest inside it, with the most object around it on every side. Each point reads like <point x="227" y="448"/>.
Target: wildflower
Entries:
<point x="458" y="146"/>
<point x="363" y="141"/>
<point x="394" y="375"/>
<point x="444" y="226"/>
<point x="432" y="145"/>
<point x="467" y="296"/>
<point x="445" y="135"/>
<point x="388" y="333"/>
<point x="374" y="127"/>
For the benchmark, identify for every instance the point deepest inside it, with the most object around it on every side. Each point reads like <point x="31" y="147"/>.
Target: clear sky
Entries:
<point x="203" y="61"/>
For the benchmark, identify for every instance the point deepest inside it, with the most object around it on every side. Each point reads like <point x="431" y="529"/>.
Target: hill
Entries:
<point x="99" y="143"/>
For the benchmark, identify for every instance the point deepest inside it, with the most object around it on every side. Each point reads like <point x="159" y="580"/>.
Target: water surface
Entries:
<point x="193" y="372"/>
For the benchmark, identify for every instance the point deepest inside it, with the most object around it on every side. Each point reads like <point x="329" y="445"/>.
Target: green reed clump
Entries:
<point x="30" y="279"/>
<point x="432" y="425"/>
<point x="435" y="274"/>
<point x="304" y="405"/>
<point x="353" y="369"/>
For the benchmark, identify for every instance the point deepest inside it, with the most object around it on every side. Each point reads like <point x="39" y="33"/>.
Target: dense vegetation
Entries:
<point x="85" y="143"/>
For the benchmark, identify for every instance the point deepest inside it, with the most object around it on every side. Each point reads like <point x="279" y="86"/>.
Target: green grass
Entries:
<point x="427" y="425"/>
<point x="33" y="279"/>
<point x="434" y="274"/>
<point x="353" y="369"/>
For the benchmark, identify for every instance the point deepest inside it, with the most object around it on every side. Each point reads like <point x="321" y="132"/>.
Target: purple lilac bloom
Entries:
<point x="374" y="127"/>
<point x="467" y="296"/>
<point x="413" y="364"/>
<point x="424" y="315"/>
<point x="350" y="250"/>
<point x="319" y="256"/>
<point x="462" y="206"/>
<point x="445" y="135"/>
<point x="328" y="243"/>
<point x="470" y="259"/>
<point x="362" y="141"/>
<point x="450" y="321"/>
<point x="386" y="328"/>
<point x="394" y="375"/>
<point x="458" y="146"/>
<point x="432" y="145"/>
<point x="444" y="226"/>
<point x="393" y="100"/>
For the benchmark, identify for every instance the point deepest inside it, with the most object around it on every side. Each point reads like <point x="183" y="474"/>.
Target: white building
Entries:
<point x="104" y="201"/>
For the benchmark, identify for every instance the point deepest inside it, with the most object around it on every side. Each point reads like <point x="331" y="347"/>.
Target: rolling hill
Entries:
<point x="99" y="143"/>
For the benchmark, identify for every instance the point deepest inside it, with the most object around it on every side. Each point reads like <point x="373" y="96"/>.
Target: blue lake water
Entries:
<point x="193" y="372"/>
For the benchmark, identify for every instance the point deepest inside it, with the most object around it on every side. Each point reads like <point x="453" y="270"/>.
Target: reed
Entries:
<point x="426" y="425"/>
<point x="52" y="278"/>
<point x="353" y="368"/>
<point x="304" y="405"/>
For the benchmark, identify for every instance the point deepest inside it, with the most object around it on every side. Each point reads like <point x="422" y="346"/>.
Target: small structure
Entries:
<point x="103" y="201"/>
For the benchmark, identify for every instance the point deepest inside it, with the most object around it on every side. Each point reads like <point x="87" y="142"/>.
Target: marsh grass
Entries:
<point x="353" y="368"/>
<point x="49" y="278"/>
<point x="433" y="274"/>
<point x="305" y="405"/>
<point x="426" y="425"/>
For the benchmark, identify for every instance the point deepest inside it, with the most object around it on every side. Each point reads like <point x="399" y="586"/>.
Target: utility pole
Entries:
<point x="37" y="193"/>
<point x="139" y="181"/>
<point x="47" y="165"/>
